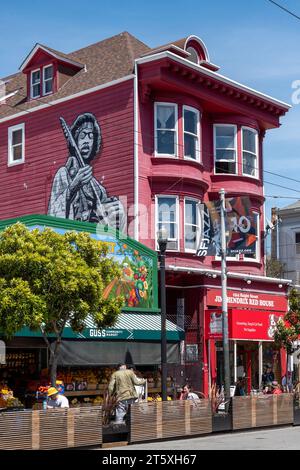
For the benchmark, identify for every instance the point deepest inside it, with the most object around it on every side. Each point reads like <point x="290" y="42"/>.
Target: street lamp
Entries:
<point x="162" y="240"/>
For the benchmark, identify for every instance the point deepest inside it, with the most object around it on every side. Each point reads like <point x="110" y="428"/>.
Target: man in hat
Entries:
<point x="56" y="399"/>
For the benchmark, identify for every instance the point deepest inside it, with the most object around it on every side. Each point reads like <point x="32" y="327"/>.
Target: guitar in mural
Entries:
<point x="76" y="194"/>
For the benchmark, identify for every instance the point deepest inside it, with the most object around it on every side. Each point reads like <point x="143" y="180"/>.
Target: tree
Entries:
<point x="274" y="268"/>
<point x="288" y="329"/>
<point x="49" y="280"/>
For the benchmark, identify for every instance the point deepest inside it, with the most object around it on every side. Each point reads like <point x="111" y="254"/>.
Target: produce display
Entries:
<point x="7" y="399"/>
<point x="19" y="360"/>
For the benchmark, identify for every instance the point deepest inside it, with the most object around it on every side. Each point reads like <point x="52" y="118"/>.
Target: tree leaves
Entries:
<point x="49" y="279"/>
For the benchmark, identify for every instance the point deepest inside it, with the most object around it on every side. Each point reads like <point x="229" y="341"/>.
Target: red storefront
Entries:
<point x="252" y="317"/>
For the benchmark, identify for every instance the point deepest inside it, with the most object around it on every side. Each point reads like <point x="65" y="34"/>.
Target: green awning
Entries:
<point x="129" y="327"/>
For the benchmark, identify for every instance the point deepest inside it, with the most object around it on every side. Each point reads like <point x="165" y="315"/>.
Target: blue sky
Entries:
<point x="253" y="42"/>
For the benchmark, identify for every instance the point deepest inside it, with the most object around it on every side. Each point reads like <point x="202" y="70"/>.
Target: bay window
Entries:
<point x="166" y="129"/>
<point x="192" y="224"/>
<point x="191" y="133"/>
<point x="167" y="216"/>
<point x="225" y="139"/>
<point x="249" y="151"/>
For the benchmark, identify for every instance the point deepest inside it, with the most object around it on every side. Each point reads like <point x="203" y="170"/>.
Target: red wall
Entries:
<point x="25" y="188"/>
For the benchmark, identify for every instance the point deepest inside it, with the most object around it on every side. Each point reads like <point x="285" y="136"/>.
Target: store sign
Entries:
<point x="255" y="325"/>
<point x="110" y="334"/>
<point x="255" y="300"/>
<point x="240" y="227"/>
<point x="242" y="324"/>
<point x="213" y="324"/>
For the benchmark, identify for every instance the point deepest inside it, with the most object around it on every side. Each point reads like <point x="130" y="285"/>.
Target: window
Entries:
<point x="225" y="148"/>
<point x="167" y="216"/>
<point x="191" y="224"/>
<point x="16" y="141"/>
<point x="297" y="241"/>
<point x="191" y="133"/>
<point x="249" y="151"/>
<point x="194" y="55"/>
<point x="35" y="85"/>
<point x="47" y="79"/>
<point x="166" y="129"/>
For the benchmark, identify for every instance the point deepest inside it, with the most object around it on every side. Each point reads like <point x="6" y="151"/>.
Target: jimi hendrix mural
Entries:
<point x="76" y="194"/>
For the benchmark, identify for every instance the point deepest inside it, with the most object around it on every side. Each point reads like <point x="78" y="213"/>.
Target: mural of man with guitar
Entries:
<point x="76" y="194"/>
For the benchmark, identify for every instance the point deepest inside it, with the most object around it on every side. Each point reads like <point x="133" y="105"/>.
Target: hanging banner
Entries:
<point x="240" y="227"/>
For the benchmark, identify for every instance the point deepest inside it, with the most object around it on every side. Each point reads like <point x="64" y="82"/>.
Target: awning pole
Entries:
<point x="235" y="360"/>
<point x="260" y="363"/>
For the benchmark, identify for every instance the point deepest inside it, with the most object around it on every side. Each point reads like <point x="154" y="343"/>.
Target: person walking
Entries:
<point x="122" y="386"/>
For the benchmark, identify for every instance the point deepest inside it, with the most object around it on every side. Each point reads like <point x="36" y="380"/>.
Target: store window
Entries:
<point x="166" y="129"/>
<point x="249" y="152"/>
<point x="16" y="144"/>
<point x="191" y="131"/>
<point x="225" y="140"/>
<point x="167" y="215"/>
<point x="192" y="224"/>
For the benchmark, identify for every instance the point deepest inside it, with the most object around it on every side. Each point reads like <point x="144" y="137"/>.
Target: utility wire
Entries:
<point x="284" y="9"/>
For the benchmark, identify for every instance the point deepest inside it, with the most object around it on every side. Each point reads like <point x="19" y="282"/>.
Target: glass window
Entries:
<point x="48" y="80"/>
<point x="35" y="84"/>
<point x="16" y="144"/>
<point x="191" y="224"/>
<point x="191" y="133"/>
<point x="166" y="129"/>
<point x="168" y="218"/>
<point x="225" y="149"/>
<point x="249" y="139"/>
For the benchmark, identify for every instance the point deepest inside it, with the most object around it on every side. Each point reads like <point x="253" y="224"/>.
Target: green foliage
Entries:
<point x="288" y="330"/>
<point x="48" y="279"/>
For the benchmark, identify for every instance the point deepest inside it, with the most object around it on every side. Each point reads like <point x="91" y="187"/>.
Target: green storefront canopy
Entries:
<point x="129" y="327"/>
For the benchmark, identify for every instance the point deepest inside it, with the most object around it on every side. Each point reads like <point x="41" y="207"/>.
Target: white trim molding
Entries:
<point x="11" y="130"/>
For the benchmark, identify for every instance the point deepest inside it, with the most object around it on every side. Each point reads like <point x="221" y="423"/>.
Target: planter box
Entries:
<point x="169" y="419"/>
<point x="221" y="422"/>
<point x="260" y="411"/>
<point x="51" y="429"/>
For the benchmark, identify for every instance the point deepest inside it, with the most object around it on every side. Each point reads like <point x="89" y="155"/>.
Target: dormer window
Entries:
<point x="35" y="85"/>
<point x="47" y="79"/>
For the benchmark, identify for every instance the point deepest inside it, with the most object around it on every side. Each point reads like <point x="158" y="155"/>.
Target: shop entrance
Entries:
<point x="248" y="364"/>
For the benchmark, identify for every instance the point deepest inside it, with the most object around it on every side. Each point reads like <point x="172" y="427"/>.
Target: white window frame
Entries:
<point x="177" y="220"/>
<point x="198" y="135"/>
<point x="11" y="130"/>
<point x="257" y="250"/>
<point x="235" y="149"/>
<point x="31" y="84"/>
<point x="198" y="224"/>
<point x="247" y="151"/>
<point x="48" y="80"/>
<point x="168" y="155"/>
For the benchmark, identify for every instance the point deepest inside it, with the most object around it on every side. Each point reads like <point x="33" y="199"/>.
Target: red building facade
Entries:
<point x="159" y="132"/>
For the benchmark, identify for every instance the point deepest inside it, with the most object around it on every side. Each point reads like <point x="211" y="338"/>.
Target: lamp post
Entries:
<point x="224" y="302"/>
<point x="162" y="239"/>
